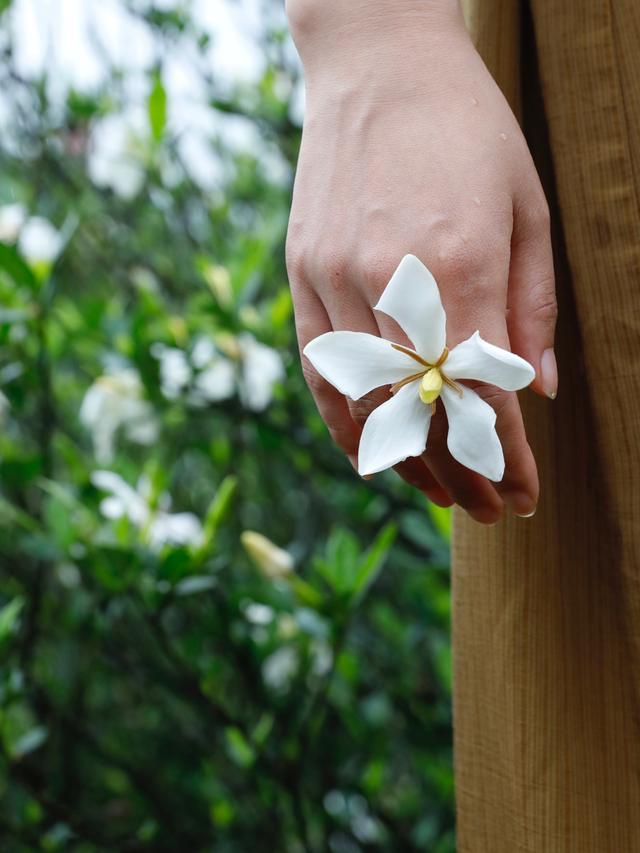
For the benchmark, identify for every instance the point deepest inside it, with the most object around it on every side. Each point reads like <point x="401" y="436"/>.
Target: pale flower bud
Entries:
<point x="271" y="561"/>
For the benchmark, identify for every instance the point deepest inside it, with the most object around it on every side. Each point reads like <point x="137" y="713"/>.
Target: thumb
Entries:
<point x="531" y="299"/>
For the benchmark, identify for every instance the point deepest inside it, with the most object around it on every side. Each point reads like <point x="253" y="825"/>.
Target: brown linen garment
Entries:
<point x="547" y="610"/>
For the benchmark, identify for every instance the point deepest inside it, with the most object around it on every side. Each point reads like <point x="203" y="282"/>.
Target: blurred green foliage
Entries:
<point x="164" y="686"/>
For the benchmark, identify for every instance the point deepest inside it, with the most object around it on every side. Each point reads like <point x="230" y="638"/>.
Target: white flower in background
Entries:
<point x="261" y="369"/>
<point x="270" y="560"/>
<point x="247" y="365"/>
<point x="215" y="383"/>
<point x="123" y="501"/>
<point x="322" y="657"/>
<point x="216" y="377"/>
<point x="5" y="407"/>
<point x="356" y="363"/>
<point x="280" y="668"/>
<point x="220" y="367"/>
<point x="39" y="241"/>
<point x="258" y="614"/>
<point x="115" y="402"/>
<point x="158" y="526"/>
<point x="12" y="218"/>
<point x="175" y="370"/>
<point x="175" y="528"/>
<point x="114" y="160"/>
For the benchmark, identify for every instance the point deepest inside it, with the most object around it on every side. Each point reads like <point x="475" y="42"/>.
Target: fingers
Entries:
<point x="312" y="320"/>
<point x="532" y="308"/>
<point x="475" y="494"/>
<point x="415" y="472"/>
<point x="519" y="487"/>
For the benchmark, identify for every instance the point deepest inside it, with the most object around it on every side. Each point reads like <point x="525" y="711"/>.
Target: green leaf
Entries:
<point x="372" y="563"/>
<point x="216" y="513"/>
<point x="16" y="268"/>
<point x="441" y="517"/>
<point x="348" y="572"/>
<point x="305" y="592"/>
<point x="157" y="107"/>
<point x="239" y="749"/>
<point x="9" y="617"/>
<point x="340" y="564"/>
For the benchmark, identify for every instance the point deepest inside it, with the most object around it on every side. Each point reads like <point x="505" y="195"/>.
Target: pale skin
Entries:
<point x="409" y="146"/>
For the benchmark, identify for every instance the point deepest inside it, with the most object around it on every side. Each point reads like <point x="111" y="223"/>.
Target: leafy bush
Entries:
<point x="170" y="679"/>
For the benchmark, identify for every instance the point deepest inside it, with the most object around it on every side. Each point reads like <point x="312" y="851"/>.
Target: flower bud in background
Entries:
<point x="270" y="560"/>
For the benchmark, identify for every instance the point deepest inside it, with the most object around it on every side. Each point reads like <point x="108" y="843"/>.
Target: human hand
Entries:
<point x="409" y="146"/>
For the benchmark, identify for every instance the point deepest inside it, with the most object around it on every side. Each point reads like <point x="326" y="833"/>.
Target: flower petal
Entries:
<point x="412" y="298"/>
<point x="395" y="430"/>
<point x="472" y="438"/>
<point x="478" y="359"/>
<point x="356" y="363"/>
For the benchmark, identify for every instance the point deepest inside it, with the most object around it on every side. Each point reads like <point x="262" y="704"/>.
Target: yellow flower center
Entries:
<point x="430" y="386"/>
<point x="431" y="377"/>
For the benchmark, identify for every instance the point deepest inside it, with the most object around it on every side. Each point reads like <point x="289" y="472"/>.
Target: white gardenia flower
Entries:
<point x="158" y="525"/>
<point x="356" y="363"/>
<point x="261" y="369"/>
<point x="175" y="370"/>
<point x="114" y="156"/>
<point x="249" y="367"/>
<point x="175" y="528"/>
<point x="115" y="402"/>
<point x="216" y="379"/>
<point x="5" y="408"/>
<point x="12" y="218"/>
<point x="279" y="669"/>
<point x="39" y="241"/>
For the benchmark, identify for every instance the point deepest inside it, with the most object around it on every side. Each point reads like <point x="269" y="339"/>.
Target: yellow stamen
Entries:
<point x="443" y="357"/>
<point x="411" y="354"/>
<point x="430" y="386"/>
<point x="432" y="377"/>
<point x="456" y="387"/>
<point x="406" y="381"/>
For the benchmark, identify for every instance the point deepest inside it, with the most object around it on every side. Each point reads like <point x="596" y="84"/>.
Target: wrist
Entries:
<point x="341" y="35"/>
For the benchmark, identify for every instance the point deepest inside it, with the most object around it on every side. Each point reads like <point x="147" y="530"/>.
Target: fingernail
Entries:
<point x="520" y="504"/>
<point x="528" y="514"/>
<point x="549" y="373"/>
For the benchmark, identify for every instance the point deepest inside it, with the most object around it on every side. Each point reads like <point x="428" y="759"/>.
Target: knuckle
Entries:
<point x="541" y="216"/>
<point x="545" y="309"/>
<point x="470" y="261"/>
<point x="373" y="269"/>
<point x="334" y="266"/>
<point x="536" y="217"/>
<point x="455" y="255"/>
<point x="295" y="258"/>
